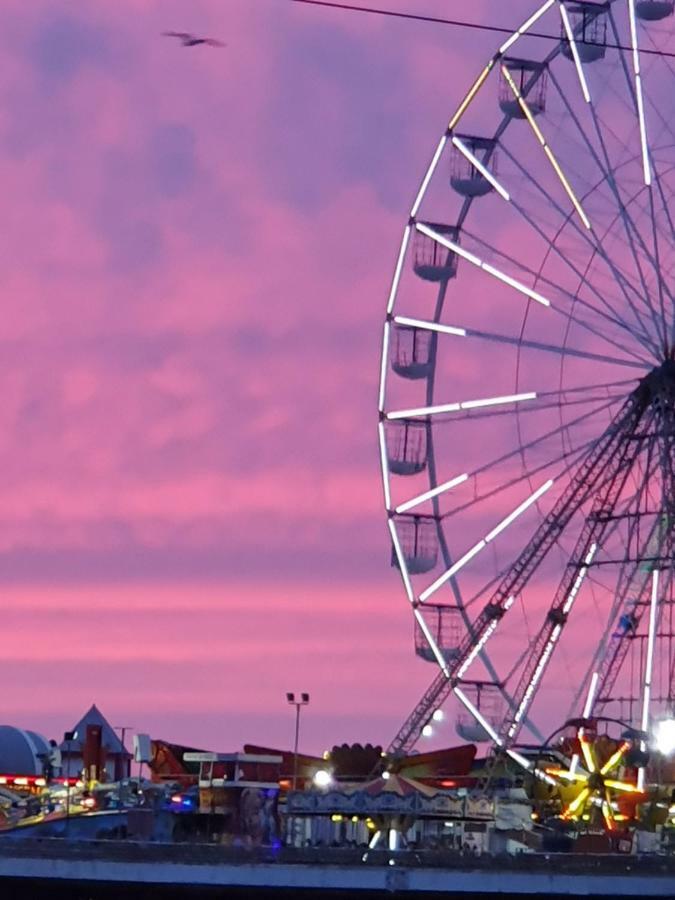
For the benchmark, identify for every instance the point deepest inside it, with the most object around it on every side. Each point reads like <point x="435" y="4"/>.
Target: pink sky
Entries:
<point x="196" y="246"/>
<point x="195" y="258"/>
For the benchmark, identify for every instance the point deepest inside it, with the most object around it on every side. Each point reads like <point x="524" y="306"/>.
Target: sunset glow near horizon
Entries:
<point x="197" y="249"/>
<point x="191" y="518"/>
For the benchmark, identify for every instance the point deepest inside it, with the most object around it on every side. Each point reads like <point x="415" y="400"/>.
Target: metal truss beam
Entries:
<point x="593" y="472"/>
<point x="597" y="523"/>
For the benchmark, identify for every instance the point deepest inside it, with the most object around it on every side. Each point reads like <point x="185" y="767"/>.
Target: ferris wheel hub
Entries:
<point x="658" y="386"/>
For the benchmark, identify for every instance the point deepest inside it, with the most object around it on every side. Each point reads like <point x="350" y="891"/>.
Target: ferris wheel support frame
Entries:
<point x="591" y="473"/>
<point x="556" y="618"/>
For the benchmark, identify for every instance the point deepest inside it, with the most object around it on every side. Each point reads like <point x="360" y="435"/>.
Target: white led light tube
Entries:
<point x="484" y="542"/>
<point x="430" y="326"/>
<point x="476" y="261"/>
<point x="461" y="405"/>
<point x="434" y="492"/>
<point x="478" y="165"/>
<point x="575" y="52"/>
<point x="526" y="26"/>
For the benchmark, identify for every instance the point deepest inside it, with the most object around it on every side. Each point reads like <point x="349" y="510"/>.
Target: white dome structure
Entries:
<point x="20" y="750"/>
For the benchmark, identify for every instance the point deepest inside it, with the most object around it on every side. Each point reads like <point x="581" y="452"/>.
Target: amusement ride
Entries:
<point x="527" y="412"/>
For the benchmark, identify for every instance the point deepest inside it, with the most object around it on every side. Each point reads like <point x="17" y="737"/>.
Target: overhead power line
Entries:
<point x="458" y="23"/>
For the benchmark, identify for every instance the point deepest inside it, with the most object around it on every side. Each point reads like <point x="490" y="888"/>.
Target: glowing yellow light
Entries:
<point x="622" y="786"/>
<point x="577" y="808"/>
<point x="477" y="85"/>
<point x="566" y="774"/>
<point x="614" y="758"/>
<point x="587" y="754"/>
<point x="523" y="105"/>
<point x="576" y="803"/>
<point x="336" y="818"/>
<point x="608" y="815"/>
<point x="547" y="150"/>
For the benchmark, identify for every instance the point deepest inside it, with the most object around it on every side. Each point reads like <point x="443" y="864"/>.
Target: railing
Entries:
<point x="214" y="854"/>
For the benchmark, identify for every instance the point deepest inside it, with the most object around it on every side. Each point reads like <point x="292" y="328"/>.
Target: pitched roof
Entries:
<point x="109" y="738"/>
<point x="398" y="784"/>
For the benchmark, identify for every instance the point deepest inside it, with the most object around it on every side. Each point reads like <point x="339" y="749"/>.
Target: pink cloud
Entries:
<point x="196" y="254"/>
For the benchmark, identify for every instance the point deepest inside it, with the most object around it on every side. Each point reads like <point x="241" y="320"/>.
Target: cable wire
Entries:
<point x="458" y="23"/>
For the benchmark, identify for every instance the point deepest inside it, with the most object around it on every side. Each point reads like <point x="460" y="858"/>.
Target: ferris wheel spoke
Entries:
<point x="657" y="175"/>
<point x="572" y="458"/>
<point x="567" y="455"/>
<point x="639" y="96"/>
<point x="619" y="593"/>
<point x="552" y="404"/>
<point x="638" y="584"/>
<point x="574" y="199"/>
<point x="466" y="410"/>
<point x="440" y="489"/>
<point x="488" y="538"/>
<point x="667" y="125"/>
<point x="455" y="568"/>
<point x="633" y="234"/>
<point x="453" y="247"/>
<point x="495" y="337"/>
<point x="606" y="168"/>
<point x="660" y="281"/>
<point x="634" y="87"/>
<point x="595" y="469"/>
<point x="625" y="286"/>
<point x="656" y="229"/>
<point x="557" y="617"/>
<point x="552" y="348"/>
<point x="613" y="526"/>
<point x="569" y="31"/>
<point x="642" y="335"/>
<point x="575" y="299"/>
<point x="442" y="408"/>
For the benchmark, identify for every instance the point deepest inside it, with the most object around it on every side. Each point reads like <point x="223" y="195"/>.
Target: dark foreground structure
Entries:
<point x="93" y="870"/>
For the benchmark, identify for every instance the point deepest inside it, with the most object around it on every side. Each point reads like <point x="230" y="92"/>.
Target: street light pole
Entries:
<point x="298" y="704"/>
<point x="68" y="739"/>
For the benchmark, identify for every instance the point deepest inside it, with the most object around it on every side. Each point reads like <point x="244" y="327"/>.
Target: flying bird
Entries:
<point x="189" y="40"/>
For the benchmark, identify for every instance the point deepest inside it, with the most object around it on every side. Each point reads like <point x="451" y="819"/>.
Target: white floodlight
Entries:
<point x="664" y="736"/>
<point x="323" y="778"/>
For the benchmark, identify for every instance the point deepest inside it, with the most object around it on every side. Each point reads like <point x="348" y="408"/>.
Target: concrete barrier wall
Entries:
<point x="209" y="865"/>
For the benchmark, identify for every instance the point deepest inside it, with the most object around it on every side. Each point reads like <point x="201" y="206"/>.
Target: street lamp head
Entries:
<point x="290" y="697"/>
<point x="305" y="698"/>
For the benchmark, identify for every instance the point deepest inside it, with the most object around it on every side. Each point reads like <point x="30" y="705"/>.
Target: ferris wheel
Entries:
<point x="527" y="386"/>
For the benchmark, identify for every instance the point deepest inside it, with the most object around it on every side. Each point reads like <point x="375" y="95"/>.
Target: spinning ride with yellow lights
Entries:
<point x="527" y="400"/>
<point x="603" y="789"/>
